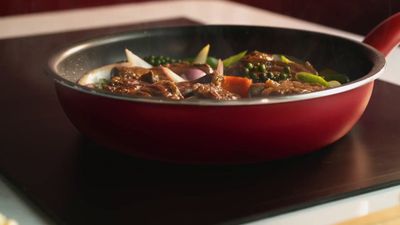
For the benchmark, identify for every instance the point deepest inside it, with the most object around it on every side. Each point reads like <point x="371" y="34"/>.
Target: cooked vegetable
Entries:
<point x="311" y="78"/>
<point x="193" y="74"/>
<point x="256" y="89"/>
<point x="237" y="85"/>
<point x="171" y="75"/>
<point x="161" y="60"/>
<point x="220" y="67"/>
<point x="329" y="75"/>
<point x="334" y="83"/>
<point x="7" y="221"/>
<point x="98" y="75"/>
<point x="286" y="60"/>
<point x="136" y="60"/>
<point x="234" y="59"/>
<point x="212" y="61"/>
<point x="201" y="57"/>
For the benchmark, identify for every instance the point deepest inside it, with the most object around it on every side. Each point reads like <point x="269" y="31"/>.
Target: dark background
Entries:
<point x="357" y="16"/>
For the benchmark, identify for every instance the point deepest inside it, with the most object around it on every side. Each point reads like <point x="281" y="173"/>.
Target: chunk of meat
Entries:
<point x="162" y="88"/>
<point x="257" y="56"/>
<point x="288" y="87"/>
<point x="135" y="73"/>
<point x="211" y="91"/>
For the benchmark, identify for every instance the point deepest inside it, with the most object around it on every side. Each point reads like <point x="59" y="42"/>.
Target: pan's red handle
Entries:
<point x="386" y="35"/>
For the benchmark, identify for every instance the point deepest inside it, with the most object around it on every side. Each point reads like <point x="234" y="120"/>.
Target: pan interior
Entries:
<point x="354" y="59"/>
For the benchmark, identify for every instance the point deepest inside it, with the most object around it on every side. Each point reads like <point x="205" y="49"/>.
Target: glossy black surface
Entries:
<point x="77" y="182"/>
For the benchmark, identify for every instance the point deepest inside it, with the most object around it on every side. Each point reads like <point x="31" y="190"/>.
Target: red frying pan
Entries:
<point x="209" y="131"/>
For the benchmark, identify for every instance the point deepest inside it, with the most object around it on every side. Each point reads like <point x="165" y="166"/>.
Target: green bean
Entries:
<point x="234" y="59"/>
<point x="311" y="78"/>
<point x="334" y="83"/>
<point x="285" y="59"/>
<point x="329" y="75"/>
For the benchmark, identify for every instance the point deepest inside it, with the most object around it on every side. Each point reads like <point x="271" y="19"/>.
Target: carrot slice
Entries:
<point x="237" y="85"/>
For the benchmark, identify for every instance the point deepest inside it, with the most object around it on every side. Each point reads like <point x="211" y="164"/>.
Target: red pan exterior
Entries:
<point x="204" y="134"/>
<point x="223" y="133"/>
<point x="386" y="36"/>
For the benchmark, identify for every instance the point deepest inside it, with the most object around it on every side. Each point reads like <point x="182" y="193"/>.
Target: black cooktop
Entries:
<point x="77" y="182"/>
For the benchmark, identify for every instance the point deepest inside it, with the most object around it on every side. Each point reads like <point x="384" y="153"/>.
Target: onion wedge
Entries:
<point x="220" y="67"/>
<point x="201" y="57"/>
<point x="136" y="60"/>
<point x="171" y="75"/>
<point x="97" y="75"/>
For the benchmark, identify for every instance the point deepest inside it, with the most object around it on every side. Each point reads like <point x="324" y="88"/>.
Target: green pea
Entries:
<point x="264" y="77"/>
<point x="254" y="76"/>
<point x="213" y="62"/>
<point x="262" y="68"/>
<point x="250" y="66"/>
<point x="246" y="70"/>
<point x="283" y="76"/>
<point x="270" y="75"/>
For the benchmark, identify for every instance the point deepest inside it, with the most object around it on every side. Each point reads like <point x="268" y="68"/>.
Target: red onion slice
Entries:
<point x="193" y="74"/>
